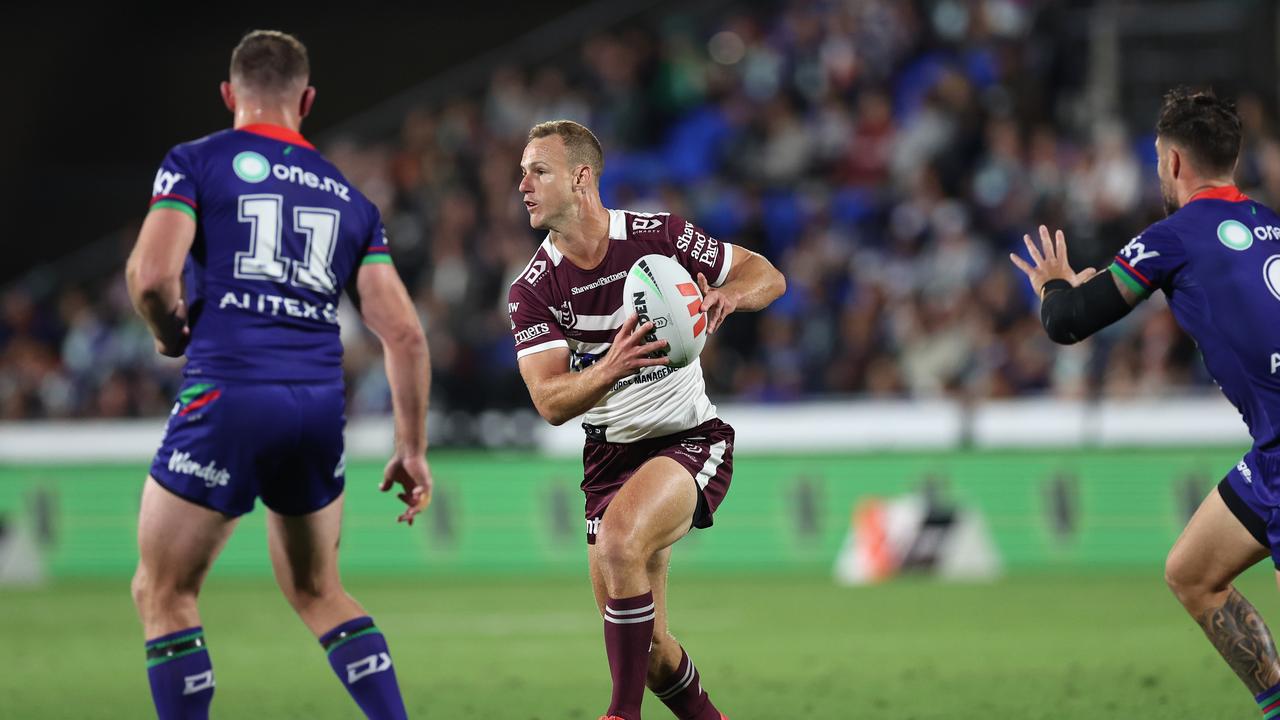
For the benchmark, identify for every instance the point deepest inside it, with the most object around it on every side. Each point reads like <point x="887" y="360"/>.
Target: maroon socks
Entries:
<point x="683" y="693"/>
<point x="628" y="632"/>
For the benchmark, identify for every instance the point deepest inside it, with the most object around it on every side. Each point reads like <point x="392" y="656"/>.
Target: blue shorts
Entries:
<point x="228" y="443"/>
<point x="1247" y="494"/>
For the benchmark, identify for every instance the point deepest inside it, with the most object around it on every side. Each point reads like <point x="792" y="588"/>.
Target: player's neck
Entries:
<point x="585" y="241"/>
<point x="263" y="115"/>
<point x="1202" y="184"/>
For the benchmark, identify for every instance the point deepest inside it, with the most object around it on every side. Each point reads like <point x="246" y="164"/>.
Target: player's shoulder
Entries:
<point x="1167" y="230"/>
<point x="533" y="277"/>
<point x="636" y="225"/>
<point x="201" y="147"/>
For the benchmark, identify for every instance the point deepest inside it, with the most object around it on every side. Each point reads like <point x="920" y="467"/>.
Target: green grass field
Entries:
<point x="1048" y="646"/>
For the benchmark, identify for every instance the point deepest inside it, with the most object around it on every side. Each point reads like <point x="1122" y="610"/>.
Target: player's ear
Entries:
<point x="582" y="178"/>
<point x="308" y="99"/>
<point x="1175" y="163"/>
<point x="228" y="97"/>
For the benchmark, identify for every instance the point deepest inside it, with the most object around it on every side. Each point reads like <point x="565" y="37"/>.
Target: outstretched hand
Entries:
<point x="413" y="475"/>
<point x="1049" y="262"/>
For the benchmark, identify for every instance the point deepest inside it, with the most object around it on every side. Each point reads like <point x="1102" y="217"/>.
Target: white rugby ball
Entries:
<point x="660" y="290"/>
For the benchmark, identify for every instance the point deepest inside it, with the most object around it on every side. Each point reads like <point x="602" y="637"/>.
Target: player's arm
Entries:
<point x="561" y="395"/>
<point x="752" y="283"/>
<point x="154" y="277"/>
<point x="387" y="310"/>
<point x="1073" y="305"/>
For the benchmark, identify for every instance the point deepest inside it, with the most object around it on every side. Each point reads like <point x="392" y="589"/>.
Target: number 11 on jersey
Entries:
<point x="265" y="260"/>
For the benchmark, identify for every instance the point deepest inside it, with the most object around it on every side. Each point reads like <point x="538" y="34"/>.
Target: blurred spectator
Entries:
<point x="886" y="155"/>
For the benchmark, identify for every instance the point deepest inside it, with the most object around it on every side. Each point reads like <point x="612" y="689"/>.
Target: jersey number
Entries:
<point x="264" y="260"/>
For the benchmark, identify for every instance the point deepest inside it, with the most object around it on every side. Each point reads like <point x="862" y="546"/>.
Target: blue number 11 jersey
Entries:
<point x="279" y="234"/>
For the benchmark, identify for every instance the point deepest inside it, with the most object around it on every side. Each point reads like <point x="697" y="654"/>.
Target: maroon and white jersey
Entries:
<point x="555" y="304"/>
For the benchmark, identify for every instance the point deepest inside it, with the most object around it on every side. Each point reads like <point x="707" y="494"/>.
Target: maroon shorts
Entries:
<point x="706" y="451"/>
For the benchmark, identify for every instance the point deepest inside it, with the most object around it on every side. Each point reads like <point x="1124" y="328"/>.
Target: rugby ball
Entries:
<point x="659" y="290"/>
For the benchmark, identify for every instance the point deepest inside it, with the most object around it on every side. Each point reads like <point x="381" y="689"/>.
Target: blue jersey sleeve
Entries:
<point x="175" y="184"/>
<point x="1150" y="261"/>
<point x="377" y="247"/>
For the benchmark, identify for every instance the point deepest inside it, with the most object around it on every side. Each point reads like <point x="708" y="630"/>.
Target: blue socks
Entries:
<point x="358" y="653"/>
<point x="181" y="675"/>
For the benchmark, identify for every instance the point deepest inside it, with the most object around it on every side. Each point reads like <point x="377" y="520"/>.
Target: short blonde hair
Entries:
<point x="270" y="61"/>
<point x="582" y="145"/>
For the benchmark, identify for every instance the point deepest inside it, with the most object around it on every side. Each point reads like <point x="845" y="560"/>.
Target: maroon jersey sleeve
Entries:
<point x="698" y="252"/>
<point x="534" y="326"/>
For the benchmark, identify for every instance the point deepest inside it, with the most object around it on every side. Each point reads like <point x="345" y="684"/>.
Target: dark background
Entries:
<point x="95" y="96"/>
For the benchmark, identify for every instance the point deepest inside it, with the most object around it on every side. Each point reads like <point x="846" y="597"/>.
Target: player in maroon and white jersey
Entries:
<point x="657" y="460"/>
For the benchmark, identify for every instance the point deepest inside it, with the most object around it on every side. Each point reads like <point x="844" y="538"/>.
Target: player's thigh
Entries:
<point x="1213" y="549"/>
<point x="652" y="510"/>
<point x="304" y="548"/>
<point x="178" y="540"/>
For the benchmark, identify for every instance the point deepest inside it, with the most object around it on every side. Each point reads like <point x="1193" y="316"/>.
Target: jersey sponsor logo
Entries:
<point x="593" y="526"/>
<point x="512" y="308"/>
<point x="599" y="282"/>
<point x="192" y="684"/>
<point x="1235" y="235"/>
<point x="1275" y="362"/>
<point x="535" y="271"/>
<point x="213" y="476"/>
<point x="660" y="372"/>
<point x="165" y="181"/>
<point x="1136" y="251"/>
<point x="700" y="246"/>
<point x="366" y="666"/>
<point x="250" y="166"/>
<point x="278" y="305"/>
<point x="645" y="223"/>
<point x="532" y="332"/>
<point x="1245" y="472"/>
<point x="1271" y="275"/>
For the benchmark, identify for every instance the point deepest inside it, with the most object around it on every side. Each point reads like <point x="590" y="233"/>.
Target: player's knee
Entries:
<point x="1188" y="584"/>
<point x="619" y="551"/>
<point x="151" y="596"/>
<point x="306" y="593"/>
<point x="140" y="590"/>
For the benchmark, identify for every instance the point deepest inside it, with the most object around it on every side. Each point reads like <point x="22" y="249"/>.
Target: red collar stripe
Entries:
<point x="276" y="132"/>
<point x="1230" y="193"/>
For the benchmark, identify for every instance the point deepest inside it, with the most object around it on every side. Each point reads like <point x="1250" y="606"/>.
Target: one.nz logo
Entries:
<point x="251" y="167"/>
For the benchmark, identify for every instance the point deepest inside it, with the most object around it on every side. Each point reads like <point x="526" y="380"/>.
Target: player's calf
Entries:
<point x="675" y="681"/>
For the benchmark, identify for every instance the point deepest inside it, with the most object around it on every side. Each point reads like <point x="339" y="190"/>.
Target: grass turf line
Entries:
<point x="1047" y="646"/>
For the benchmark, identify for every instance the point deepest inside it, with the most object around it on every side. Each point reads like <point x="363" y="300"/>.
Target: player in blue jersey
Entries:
<point x="1217" y="259"/>
<point x="270" y="234"/>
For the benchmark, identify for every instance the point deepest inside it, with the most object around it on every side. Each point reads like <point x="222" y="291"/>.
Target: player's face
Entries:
<point x="546" y="181"/>
<point x="1165" y="173"/>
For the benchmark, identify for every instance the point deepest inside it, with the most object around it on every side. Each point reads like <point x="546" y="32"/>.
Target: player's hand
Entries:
<point x="716" y="303"/>
<point x="413" y="475"/>
<point x="630" y="352"/>
<point x="174" y="344"/>
<point x="1049" y="262"/>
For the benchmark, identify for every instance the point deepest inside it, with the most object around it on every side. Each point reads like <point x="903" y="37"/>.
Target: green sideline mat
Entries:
<point x="519" y="513"/>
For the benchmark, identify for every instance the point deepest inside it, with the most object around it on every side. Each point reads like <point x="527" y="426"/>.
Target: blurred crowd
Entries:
<point x="886" y="155"/>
